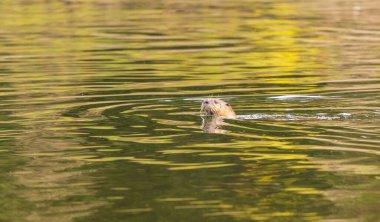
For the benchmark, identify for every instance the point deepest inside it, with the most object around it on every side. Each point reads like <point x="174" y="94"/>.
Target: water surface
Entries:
<point x="100" y="100"/>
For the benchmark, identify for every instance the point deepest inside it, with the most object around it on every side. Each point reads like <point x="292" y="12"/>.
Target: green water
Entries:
<point x="100" y="100"/>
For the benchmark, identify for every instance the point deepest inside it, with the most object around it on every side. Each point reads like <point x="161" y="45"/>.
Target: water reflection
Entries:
<point x="213" y="124"/>
<point x="100" y="110"/>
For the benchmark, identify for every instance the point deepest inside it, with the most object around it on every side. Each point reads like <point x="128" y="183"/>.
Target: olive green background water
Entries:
<point x="99" y="104"/>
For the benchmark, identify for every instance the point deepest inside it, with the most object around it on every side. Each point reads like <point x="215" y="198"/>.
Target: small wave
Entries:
<point x="344" y="115"/>
<point x="289" y="117"/>
<point x="195" y="99"/>
<point x="295" y="96"/>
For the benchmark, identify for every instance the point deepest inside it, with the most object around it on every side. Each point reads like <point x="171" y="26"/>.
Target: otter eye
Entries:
<point x="227" y="104"/>
<point x="206" y="102"/>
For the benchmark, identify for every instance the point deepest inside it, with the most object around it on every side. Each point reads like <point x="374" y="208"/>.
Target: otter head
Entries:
<point x="218" y="108"/>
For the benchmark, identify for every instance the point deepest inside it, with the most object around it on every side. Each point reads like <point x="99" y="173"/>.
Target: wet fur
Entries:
<point x="217" y="108"/>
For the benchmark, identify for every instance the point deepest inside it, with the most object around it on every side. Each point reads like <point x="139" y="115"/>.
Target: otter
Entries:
<point x="215" y="110"/>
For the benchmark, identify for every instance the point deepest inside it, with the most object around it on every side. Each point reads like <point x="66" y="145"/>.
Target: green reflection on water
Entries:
<point x="100" y="110"/>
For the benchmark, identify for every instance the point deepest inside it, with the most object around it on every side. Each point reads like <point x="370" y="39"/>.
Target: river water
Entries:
<point x="100" y="101"/>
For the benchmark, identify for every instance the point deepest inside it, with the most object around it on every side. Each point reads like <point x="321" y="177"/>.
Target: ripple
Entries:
<point x="99" y="105"/>
<point x="295" y="97"/>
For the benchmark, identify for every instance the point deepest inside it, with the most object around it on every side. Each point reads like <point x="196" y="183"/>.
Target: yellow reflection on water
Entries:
<point x="75" y="74"/>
